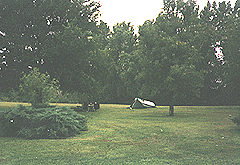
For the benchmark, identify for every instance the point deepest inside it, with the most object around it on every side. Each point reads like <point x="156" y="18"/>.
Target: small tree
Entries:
<point x="39" y="88"/>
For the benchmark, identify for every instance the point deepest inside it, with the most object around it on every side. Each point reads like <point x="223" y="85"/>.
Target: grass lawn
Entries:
<point x="116" y="135"/>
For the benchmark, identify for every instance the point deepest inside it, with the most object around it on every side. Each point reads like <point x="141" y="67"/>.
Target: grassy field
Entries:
<point x="116" y="135"/>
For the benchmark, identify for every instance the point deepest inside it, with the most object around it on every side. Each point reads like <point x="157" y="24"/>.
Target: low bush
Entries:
<point x="236" y="120"/>
<point x="41" y="105"/>
<point x="12" y="96"/>
<point x="35" y="123"/>
<point x="79" y="109"/>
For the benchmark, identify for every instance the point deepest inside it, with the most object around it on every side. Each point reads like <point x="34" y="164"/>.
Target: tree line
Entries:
<point x="186" y="56"/>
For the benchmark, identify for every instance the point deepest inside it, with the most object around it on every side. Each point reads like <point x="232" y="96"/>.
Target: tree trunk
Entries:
<point x="171" y="109"/>
<point x="39" y="98"/>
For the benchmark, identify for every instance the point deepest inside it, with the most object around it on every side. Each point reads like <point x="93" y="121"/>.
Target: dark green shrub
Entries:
<point x="78" y="109"/>
<point x="236" y="120"/>
<point x="42" y="105"/>
<point x="32" y="123"/>
<point x="11" y="96"/>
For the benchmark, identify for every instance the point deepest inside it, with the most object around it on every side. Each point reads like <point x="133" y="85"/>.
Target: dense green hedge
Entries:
<point x="35" y="123"/>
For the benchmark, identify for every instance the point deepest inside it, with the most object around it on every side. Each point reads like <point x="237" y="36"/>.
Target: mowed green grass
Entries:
<point x="116" y="135"/>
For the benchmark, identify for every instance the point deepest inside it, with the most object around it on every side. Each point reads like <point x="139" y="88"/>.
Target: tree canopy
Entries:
<point x="184" y="56"/>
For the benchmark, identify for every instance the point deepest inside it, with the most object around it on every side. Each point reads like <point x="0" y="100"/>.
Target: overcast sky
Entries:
<point x="136" y="11"/>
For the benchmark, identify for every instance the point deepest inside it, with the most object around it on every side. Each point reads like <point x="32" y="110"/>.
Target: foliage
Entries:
<point x="231" y="50"/>
<point x="62" y="97"/>
<point x="4" y="97"/>
<point x="12" y="96"/>
<point x="74" y="97"/>
<point x="66" y="39"/>
<point x="69" y="60"/>
<point x="168" y="61"/>
<point x="28" y="34"/>
<point x="72" y="50"/>
<point x="121" y="46"/>
<point x="28" y="122"/>
<point x="39" y="88"/>
<point x="236" y="120"/>
<point x="221" y="21"/>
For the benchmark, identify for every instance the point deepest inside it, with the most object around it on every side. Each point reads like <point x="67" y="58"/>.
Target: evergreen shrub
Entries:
<point x="236" y="120"/>
<point x="36" y="123"/>
<point x="42" y="105"/>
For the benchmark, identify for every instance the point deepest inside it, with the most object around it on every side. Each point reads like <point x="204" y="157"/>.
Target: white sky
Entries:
<point x="136" y="11"/>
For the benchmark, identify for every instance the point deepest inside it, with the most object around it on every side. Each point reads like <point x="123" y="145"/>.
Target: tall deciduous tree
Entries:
<point x="231" y="51"/>
<point x="121" y="45"/>
<point x="29" y="29"/>
<point x="21" y="29"/>
<point x="222" y="23"/>
<point x="69" y="60"/>
<point x="168" y="61"/>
